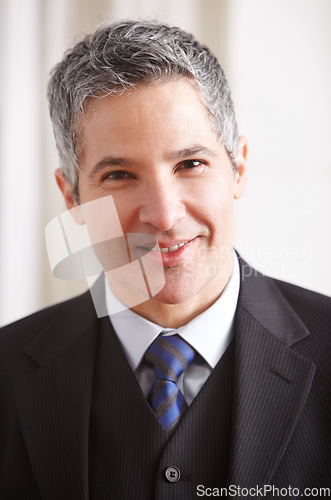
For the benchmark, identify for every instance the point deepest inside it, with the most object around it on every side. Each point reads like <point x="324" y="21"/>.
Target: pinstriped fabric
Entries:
<point x="201" y="443"/>
<point x="130" y="451"/>
<point x="40" y="416"/>
<point x="169" y="356"/>
<point x="316" y="439"/>
<point x="125" y="437"/>
<point x="269" y="378"/>
<point x="281" y="408"/>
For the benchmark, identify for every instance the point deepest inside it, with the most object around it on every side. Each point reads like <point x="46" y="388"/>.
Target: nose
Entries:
<point x="162" y="206"/>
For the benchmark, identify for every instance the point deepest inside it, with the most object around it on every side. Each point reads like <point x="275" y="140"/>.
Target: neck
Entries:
<point x="171" y="315"/>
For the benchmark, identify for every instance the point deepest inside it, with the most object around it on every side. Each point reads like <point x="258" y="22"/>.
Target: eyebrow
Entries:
<point x="191" y="151"/>
<point x="109" y="161"/>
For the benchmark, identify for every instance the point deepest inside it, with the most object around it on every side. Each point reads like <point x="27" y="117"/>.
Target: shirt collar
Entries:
<point x="208" y="333"/>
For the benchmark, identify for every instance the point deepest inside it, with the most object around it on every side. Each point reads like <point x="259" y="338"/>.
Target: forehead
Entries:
<point x="156" y="112"/>
<point x="153" y="97"/>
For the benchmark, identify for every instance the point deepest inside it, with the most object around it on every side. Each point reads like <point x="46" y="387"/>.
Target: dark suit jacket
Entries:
<point x="280" y="425"/>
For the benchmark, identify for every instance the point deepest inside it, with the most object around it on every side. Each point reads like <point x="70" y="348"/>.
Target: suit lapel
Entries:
<point x="272" y="381"/>
<point x="53" y="401"/>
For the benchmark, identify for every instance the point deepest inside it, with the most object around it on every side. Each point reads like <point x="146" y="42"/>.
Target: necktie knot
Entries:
<point x="170" y="356"/>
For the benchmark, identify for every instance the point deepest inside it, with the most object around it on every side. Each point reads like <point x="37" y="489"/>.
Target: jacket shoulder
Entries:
<point x="314" y="310"/>
<point x="288" y="311"/>
<point x="306" y="303"/>
<point x="15" y="336"/>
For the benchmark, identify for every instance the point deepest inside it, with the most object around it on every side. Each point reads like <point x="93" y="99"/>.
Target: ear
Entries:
<point x="66" y="190"/>
<point x="241" y="174"/>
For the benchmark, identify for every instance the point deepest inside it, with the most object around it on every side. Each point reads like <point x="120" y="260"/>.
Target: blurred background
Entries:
<point x="276" y="55"/>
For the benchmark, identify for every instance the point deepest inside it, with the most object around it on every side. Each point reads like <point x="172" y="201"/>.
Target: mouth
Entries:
<point x="172" y="252"/>
<point x="162" y="248"/>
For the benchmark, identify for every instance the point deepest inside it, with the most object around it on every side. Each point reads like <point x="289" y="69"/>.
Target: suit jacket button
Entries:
<point x="172" y="474"/>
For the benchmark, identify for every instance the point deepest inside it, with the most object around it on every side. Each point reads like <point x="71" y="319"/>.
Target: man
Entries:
<point x="221" y="378"/>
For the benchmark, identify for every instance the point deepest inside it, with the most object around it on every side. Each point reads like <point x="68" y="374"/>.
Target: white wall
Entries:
<point x="20" y="203"/>
<point x="279" y="56"/>
<point x="276" y="54"/>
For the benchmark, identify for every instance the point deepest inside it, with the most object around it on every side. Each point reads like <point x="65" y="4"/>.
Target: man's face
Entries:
<point x="155" y="151"/>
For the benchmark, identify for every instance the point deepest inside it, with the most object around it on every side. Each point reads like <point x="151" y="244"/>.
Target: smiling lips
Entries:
<point x="165" y="249"/>
<point x="172" y="248"/>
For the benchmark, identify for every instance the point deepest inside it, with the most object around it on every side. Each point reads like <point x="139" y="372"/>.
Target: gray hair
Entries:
<point x="117" y="57"/>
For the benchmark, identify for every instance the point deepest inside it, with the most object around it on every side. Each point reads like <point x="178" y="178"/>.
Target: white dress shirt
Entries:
<point x="209" y="334"/>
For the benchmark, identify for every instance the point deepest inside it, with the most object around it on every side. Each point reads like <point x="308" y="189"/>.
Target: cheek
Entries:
<point x="102" y="219"/>
<point x="216" y="206"/>
<point x="126" y="210"/>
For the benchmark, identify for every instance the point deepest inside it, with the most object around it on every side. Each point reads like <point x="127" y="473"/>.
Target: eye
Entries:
<point x="117" y="175"/>
<point x="192" y="165"/>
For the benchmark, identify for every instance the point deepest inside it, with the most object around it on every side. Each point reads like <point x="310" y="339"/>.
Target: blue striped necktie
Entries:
<point x="170" y="356"/>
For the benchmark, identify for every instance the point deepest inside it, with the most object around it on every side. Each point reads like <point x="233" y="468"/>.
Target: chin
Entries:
<point x="176" y="291"/>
